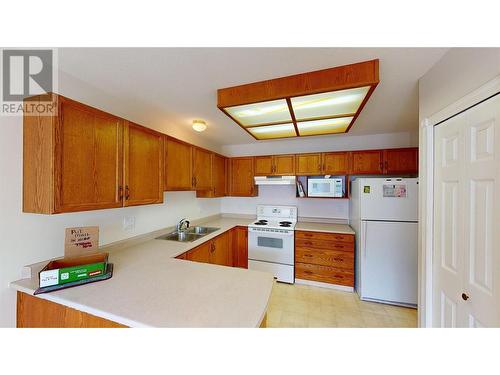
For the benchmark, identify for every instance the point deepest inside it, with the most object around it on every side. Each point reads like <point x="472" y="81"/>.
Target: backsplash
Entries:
<point x="286" y="195"/>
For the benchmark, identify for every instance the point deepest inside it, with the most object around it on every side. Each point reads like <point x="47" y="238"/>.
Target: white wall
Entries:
<point x="30" y="238"/>
<point x="459" y="72"/>
<point x="317" y="144"/>
<point x="285" y="195"/>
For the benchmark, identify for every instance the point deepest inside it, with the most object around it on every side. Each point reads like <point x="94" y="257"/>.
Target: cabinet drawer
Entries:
<point x="324" y="274"/>
<point x="338" y="259"/>
<point x="325" y="245"/>
<point x="338" y="237"/>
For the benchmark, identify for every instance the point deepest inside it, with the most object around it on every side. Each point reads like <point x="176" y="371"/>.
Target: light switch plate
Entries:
<point x="129" y="223"/>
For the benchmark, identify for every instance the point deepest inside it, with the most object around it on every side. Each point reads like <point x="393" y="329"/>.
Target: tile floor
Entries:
<point x="307" y="306"/>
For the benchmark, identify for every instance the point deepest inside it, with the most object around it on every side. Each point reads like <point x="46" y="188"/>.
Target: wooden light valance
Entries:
<point x="322" y="102"/>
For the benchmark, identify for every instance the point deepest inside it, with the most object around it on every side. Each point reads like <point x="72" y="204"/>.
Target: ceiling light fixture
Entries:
<point x="315" y="103"/>
<point x="199" y="125"/>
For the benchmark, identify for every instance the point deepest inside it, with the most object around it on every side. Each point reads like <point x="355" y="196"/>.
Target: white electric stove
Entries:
<point x="271" y="241"/>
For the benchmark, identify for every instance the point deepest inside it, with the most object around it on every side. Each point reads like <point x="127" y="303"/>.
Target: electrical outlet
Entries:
<point x="129" y="223"/>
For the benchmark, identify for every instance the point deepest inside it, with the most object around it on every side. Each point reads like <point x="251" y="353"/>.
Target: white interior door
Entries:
<point x="467" y="219"/>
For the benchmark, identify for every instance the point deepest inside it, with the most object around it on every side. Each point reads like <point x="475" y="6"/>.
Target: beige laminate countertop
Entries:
<point x="150" y="288"/>
<point x="324" y="227"/>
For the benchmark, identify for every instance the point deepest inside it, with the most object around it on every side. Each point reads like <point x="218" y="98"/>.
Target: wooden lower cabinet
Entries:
<point x="221" y="252"/>
<point x="34" y="312"/>
<point x="325" y="257"/>
<point x="239" y="244"/>
<point x="228" y="249"/>
<point x="200" y="253"/>
<point x="324" y="274"/>
<point x="215" y="251"/>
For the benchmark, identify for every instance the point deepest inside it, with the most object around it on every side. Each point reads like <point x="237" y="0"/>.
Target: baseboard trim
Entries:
<point x="325" y="285"/>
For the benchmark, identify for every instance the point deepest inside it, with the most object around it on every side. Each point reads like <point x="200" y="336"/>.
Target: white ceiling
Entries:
<point x="166" y="88"/>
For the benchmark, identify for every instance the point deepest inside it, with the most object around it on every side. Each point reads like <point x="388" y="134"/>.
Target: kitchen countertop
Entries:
<point x="324" y="227"/>
<point x="150" y="288"/>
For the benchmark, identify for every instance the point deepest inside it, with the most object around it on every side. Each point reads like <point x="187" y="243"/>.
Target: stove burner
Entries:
<point x="260" y="223"/>
<point x="285" y="225"/>
<point x="286" y="222"/>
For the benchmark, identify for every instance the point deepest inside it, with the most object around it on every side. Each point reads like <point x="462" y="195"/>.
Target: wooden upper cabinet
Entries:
<point x="367" y="162"/>
<point x="88" y="158"/>
<point x="308" y="164"/>
<point x="275" y="165"/>
<point x="284" y="165"/>
<point x="143" y="157"/>
<point x="200" y="253"/>
<point x="263" y="165"/>
<point x="178" y="165"/>
<point x="241" y="173"/>
<point x="219" y="175"/>
<point x="218" y="179"/>
<point x="401" y="160"/>
<point x="202" y="169"/>
<point x="72" y="160"/>
<point x="335" y="163"/>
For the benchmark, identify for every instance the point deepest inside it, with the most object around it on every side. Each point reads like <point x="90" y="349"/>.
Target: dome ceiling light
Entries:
<point x="316" y="103"/>
<point x="199" y="125"/>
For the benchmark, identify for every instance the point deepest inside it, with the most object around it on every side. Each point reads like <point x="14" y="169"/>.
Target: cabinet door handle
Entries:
<point x="127" y="193"/>
<point x="120" y="192"/>
<point x="465" y="297"/>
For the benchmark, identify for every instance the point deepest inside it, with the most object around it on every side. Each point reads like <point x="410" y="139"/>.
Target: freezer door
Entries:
<point x="389" y="262"/>
<point x="388" y="199"/>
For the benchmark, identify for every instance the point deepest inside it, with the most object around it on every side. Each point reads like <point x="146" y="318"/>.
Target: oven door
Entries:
<point x="270" y="246"/>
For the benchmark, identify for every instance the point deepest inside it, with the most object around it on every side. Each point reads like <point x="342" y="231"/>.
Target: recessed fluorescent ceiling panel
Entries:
<point x="323" y="102"/>
<point x="273" y="131"/>
<point x="272" y="112"/>
<point x="326" y="126"/>
<point x="329" y="104"/>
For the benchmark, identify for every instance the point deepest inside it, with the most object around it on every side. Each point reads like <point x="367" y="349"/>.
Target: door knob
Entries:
<point x="465" y="297"/>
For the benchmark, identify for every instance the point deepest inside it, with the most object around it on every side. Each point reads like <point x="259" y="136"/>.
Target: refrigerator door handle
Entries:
<point x="363" y="238"/>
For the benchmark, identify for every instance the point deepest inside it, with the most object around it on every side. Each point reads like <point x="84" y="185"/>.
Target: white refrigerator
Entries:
<point x="383" y="213"/>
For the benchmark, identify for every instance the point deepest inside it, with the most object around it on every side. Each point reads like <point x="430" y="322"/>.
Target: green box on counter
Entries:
<point x="68" y="270"/>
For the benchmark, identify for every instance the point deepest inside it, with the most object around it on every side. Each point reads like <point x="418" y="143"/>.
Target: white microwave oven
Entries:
<point x="325" y="187"/>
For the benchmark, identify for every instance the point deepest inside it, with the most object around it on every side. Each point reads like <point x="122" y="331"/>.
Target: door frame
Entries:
<point x="426" y="193"/>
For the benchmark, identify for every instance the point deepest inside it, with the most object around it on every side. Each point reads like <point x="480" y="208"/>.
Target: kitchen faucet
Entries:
<point x="183" y="225"/>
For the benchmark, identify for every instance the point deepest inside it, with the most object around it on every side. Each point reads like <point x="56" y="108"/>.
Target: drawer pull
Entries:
<point x="308" y="234"/>
<point x="308" y="272"/>
<point x="308" y="243"/>
<point x="308" y="255"/>
<point x="338" y="259"/>
<point x="338" y="276"/>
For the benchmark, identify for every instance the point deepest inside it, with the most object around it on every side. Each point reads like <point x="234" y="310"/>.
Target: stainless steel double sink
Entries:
<point x="188" y="235"/>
